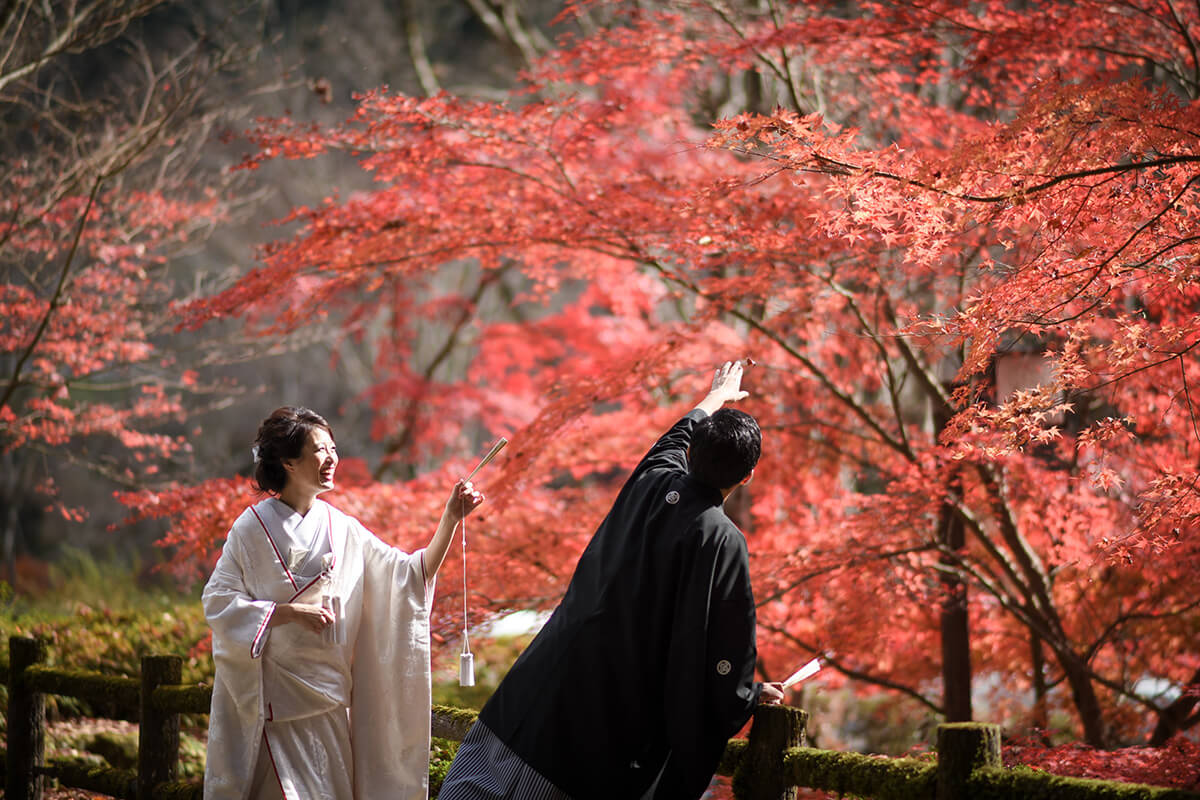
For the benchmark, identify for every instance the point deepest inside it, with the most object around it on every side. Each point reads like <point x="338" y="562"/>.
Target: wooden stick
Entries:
<point x="496" y="448"/>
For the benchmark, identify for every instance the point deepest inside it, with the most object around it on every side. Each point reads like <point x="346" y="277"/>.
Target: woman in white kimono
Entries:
<point x="320" y="637"/>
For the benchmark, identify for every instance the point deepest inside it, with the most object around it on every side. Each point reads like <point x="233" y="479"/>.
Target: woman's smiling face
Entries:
<point x="313" y="470"/>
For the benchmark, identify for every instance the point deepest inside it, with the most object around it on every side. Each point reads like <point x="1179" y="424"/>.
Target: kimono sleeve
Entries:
<point x="390" y="713"/>
<point x="238" y="620"/>
<point x="712" y="691"/>
<point x="670" y="451"/>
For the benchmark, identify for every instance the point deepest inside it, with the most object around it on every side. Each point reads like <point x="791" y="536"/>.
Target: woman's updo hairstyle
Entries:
<point x="282" y="437"/>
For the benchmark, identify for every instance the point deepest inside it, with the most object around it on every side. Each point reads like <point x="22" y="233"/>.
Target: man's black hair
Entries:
<point x="725" y="447"/>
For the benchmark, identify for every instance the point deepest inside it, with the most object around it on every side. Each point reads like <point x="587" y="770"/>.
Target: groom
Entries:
<point x="646" y="668"/>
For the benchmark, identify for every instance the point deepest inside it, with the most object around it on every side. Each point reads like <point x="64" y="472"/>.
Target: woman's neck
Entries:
<point x="300" y="501"/>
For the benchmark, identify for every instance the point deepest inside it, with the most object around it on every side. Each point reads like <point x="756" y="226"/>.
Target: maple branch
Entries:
<point x="1182" y="28"/>
<point x="1171" y="356"/>
<point x="831" y="659"/>
<point x="1059" y="644"/>
<point x="840" y="566"/>
<point x="65" y="38"/>
<point x="70" y="455"/>
<point x="1021" y="608"/>
<point x="829" y="445"/>
<point x="899" y="445"/>
<point x="55" y="299"/>
<point x="1004" y="563"/>
<point x="464" y="322"/>
<point x="112" y="158"/>
<point x="417" y="52"/>
<point x="884" y="356"/>
<point x="1037" y="579"/>
<point x="1099" y="268"/>
<point x="769" y="63"/>
<point x="831" y="166"/>
<point x="10" y="227"/>
<point x="506" y="28"/>
<point x="785" y="60"/>
<point x="1125" y="618"/>
<point x="1174" y="717"/>
<point x="1187" y="396"/>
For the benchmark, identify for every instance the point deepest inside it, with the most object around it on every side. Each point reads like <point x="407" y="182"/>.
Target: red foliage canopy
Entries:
<point x="959" y="241"/>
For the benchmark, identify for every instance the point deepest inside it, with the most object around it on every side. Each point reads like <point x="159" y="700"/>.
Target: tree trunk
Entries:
<point x="1174" y="718"/>
<point x="1095" y="732"/>
<point x="1037" y="660"/>
<point x="955" y="623"/>
<point x="956" y="634"/>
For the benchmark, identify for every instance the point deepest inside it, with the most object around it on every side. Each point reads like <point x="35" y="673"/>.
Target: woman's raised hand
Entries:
<point x="464" y="498"/>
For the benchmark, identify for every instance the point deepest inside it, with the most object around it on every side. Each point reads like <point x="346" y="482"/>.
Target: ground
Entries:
<point x="73" y="730"/>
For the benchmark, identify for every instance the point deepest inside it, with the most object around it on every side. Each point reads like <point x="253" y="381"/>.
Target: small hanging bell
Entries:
<point x="466" y="665"/>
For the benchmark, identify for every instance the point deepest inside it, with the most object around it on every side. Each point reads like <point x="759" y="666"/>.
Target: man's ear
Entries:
<point x="746" y="479"/>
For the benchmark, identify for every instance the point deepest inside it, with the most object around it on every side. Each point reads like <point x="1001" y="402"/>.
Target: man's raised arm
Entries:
<point x="726" y="387"/>
<point x="671" y="449"/>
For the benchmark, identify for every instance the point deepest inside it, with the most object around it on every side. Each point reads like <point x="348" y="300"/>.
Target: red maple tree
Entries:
<point x="957" y="240"/>
<point x="103" y="131"/>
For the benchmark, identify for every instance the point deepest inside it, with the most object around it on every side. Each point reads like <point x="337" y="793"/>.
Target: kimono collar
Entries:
<point x="709" y="493"/>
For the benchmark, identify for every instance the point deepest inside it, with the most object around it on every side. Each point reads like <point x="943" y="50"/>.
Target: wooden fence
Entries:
<point x="769" y="765"/>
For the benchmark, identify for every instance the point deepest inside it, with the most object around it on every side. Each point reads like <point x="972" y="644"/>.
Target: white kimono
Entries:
<point x="296" y="684"/>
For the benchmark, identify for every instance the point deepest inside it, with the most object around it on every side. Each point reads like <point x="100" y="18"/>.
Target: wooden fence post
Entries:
<point x="26" y="722"/>
<point x="964" y="747"/>
<point x="158" y="732"/>
<point x="760" y="776"/>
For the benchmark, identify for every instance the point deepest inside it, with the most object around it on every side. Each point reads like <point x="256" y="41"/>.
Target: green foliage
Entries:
<point x="103" y="617"/>
<point x="493" y="658"/>
<point x="84" y="773"/>
<point x="441" y="754"/>
<point x="451" y="694"/>
<point x="120" y="750"/>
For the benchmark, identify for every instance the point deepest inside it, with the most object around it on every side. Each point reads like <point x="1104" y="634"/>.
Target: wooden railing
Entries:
<point x="769" y="765"/>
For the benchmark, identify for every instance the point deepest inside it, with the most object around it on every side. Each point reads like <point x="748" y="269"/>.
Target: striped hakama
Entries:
<point x="485" y="769"/>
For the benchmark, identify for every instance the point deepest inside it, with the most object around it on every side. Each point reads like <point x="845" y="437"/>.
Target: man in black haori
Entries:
<point x="646" y="668"/>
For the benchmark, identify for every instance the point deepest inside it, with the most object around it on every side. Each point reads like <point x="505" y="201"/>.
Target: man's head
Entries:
<point x="725" y="448"/>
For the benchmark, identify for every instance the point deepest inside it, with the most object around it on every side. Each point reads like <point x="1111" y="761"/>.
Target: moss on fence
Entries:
<point x="179" y="790"/>
<point x="453" y="723"/>
<point x="82" y="773"/>
<point x="117" y="696"/>
<point x="182" y="699"/>
<point x="1031" y="784"/>
<point x="735" y="751"/>
<point x="860" y="775"/>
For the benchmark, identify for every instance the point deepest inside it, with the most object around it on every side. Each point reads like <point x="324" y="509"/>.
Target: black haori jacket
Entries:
<point x="647" y="664"/>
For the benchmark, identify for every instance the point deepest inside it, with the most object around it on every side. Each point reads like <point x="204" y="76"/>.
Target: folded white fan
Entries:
<point x="807" y="671"/>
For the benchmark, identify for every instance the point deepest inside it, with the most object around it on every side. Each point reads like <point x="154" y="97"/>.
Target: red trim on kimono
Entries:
<point x="278" y="555"/>
<point x="256" y="644"/>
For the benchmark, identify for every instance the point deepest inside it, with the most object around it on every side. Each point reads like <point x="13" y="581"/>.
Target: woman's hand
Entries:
<point x="464" y="498"/>
<point x="315" y="618"/>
